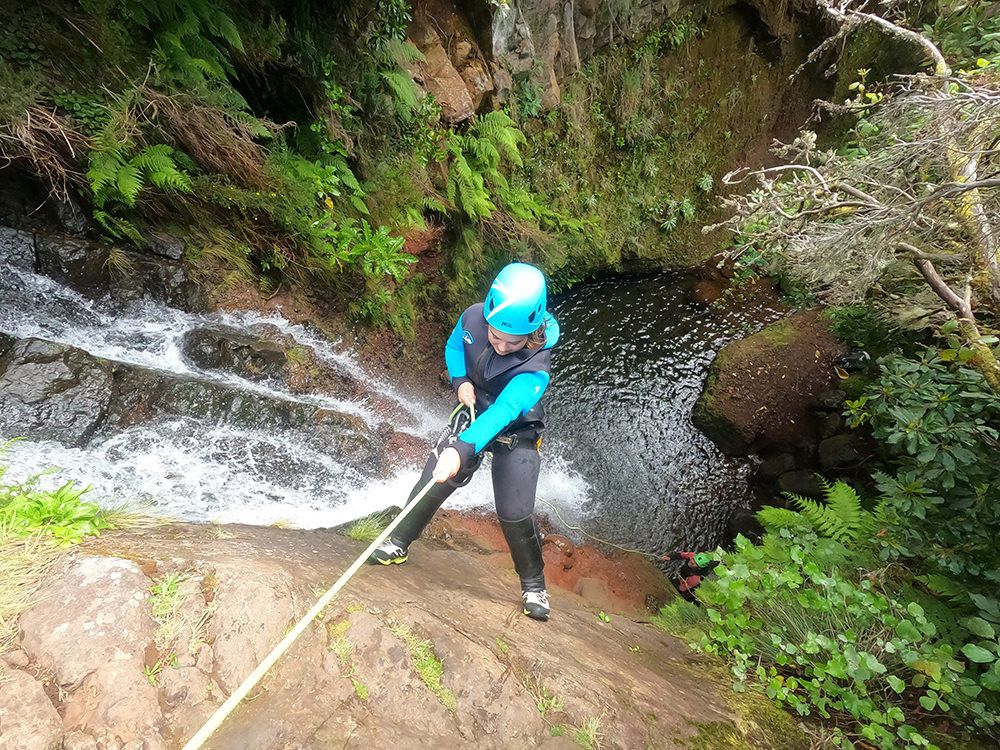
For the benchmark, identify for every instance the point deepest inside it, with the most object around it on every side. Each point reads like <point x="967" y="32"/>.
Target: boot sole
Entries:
<point x="395" y="561"/>
<point x="540" y="618"/>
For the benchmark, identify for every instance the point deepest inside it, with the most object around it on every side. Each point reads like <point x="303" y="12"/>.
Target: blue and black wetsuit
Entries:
<point x="510" y="417"/>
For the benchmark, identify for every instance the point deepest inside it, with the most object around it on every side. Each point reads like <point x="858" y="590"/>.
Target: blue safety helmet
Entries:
<point x="515" y="303"/>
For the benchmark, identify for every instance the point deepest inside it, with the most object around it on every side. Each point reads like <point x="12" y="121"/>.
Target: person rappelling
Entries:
<point x="499" y="358"/>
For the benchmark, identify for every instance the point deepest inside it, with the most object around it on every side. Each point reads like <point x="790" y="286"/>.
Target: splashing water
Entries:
<point x="193" y="469"/>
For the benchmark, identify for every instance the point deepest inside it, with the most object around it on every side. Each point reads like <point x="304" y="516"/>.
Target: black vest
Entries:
<point x="490" y="373"/>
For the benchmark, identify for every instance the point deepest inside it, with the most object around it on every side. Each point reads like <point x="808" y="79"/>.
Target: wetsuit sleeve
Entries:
<point x="454" y="357"/>
<point x="518" y="396"/>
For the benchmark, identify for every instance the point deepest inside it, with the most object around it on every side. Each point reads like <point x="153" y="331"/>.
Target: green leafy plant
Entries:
<point x="62" y="513"/>
<point x="840" y="515"/>
<point x="152" y="672"/>
<point x="545" y="700"/>
<point x="588" y="735"/>
<point x="193" y="37"/>
<point x="823" y="616"/>
<point x="474" y="168"/>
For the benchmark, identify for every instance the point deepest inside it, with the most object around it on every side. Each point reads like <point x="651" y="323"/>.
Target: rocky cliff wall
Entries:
<point x="477" y="52"/>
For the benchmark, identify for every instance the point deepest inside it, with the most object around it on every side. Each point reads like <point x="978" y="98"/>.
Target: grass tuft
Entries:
<point x="24" y="562"/>
<point x="366" y="529"/>
<point x="588" y="736"/>
<point x="425" y="662"/>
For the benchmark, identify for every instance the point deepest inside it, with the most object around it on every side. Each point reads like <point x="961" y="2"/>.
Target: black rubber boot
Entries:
<point x="395" y="548"/>
<point x="526" y="551"/>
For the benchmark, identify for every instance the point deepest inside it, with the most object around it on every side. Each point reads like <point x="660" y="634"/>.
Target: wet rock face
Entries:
<point x="247" y="356"/>
<point x="76" y="262"/>
<point x="354" y="676"/>
<point x="17" y="249"/>
<point x="159" y="275"/>
<point x="141" y="396"/>
<point x="52" y="392"/>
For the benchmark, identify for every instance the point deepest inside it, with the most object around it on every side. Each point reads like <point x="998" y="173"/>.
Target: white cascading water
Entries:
<point x="200" y="470"/>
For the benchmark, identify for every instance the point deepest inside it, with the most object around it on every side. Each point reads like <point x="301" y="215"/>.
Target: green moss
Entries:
<point x="344" y="651"/>
<point x="425" y="662"/>
<point x="638" y="139"/>
<point x="758" y="725"/>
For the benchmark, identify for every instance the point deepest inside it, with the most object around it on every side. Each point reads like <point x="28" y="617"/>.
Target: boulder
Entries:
<point x="79" y="741"/>
<point x="830" y="425"/>
<point x="800" y="482"/>
<point x="773" y="467"/>
<point x="71" y="217"/>
<point x="438" y="77"/>
<point x="760" y="391"/>
<point x="249" y="357"/>
<point x="28" y="720"/>
<point x="92" y="617"/>
<point x="17" y="249"/>
<point x="165" y="245"/>
<point x="77" y="263"/>
<point x="52" y="392"/>
<point x="842" y="451"/>
<point x="830" y="399"/>
<point x="157" y="276"/>
<point x="477" y="80"/>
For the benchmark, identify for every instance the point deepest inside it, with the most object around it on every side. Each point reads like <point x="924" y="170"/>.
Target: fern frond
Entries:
<point x="775" y="519"/>
<point x="129" y="182"/>
<point x="485" y="153"/>
<point x="839" y="517"/>
<point x="402" y="52"/>
<point x="404" y="91"/>
<point x="103" y="171"/>
<point x="155" y="158"/>
<point x="433" y="204"/>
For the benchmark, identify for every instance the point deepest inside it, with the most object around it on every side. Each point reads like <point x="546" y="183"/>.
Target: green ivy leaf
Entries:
<point x="978" y="654"/>
<point x="979" y="626"/>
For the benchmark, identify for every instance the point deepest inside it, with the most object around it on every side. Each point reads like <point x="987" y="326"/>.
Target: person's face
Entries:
<point x="504" y="343"/>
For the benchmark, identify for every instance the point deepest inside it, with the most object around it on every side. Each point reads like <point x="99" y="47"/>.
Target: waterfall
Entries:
<point x="194" y="467"/>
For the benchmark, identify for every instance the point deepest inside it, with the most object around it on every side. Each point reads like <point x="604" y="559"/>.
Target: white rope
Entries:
<point x="254" y="677"/>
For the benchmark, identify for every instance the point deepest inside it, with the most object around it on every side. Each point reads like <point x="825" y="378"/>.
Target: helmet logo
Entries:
<point x="509" y="300"/>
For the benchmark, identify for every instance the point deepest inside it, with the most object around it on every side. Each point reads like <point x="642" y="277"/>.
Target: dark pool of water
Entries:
<point x="631" y="363"/>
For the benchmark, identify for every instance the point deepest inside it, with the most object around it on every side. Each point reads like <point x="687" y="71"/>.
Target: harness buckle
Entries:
<point x="509" y="440"/>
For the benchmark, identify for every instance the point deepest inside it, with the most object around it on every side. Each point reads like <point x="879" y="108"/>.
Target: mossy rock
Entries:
<point x="760" y="390"/>
<point x="759" y="725"/>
